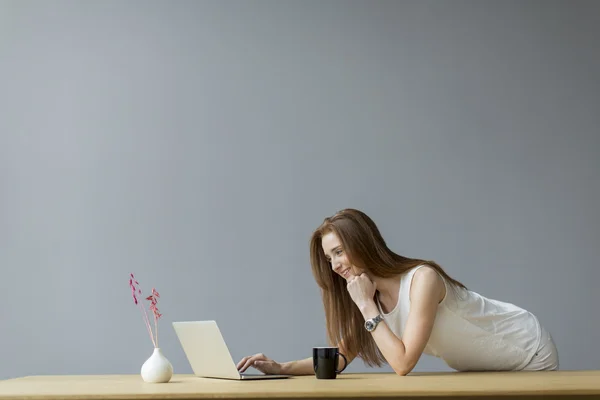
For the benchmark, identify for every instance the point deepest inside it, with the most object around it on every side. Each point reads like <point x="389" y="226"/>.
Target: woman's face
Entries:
<point x="335" y="254"/>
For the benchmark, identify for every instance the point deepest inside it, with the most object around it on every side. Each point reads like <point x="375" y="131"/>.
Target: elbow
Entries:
<point x="404" y="362"/>
<point x="403" y="368"/>
<point x="402" y="371"/>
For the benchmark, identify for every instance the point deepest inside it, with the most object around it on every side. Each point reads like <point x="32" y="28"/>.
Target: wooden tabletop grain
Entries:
<point x="347" y="386"/>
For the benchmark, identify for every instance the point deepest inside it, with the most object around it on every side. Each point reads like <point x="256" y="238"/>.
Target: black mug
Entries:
<point x="325" y="361"/>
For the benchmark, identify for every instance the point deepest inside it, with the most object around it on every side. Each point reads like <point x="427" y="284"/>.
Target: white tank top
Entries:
<point x="472" y="332"/>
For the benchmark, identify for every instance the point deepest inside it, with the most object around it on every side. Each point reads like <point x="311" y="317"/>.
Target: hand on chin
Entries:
<point x="361" y="289"/>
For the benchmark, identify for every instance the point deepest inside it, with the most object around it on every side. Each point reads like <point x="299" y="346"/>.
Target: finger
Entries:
<point x="242" y="362"/>
<point x="244" y="367"/>
<point x="251" y="361"/>
<point x="247" y="364"/>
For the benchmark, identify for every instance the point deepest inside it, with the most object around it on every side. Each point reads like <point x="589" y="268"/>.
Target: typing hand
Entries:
<point x="261" y="362"/>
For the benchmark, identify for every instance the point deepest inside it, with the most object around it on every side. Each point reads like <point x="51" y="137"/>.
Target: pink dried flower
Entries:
<point x="153" y="298"/>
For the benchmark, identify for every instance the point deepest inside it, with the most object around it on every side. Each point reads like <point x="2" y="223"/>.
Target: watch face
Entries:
<point x="369" y="325"/>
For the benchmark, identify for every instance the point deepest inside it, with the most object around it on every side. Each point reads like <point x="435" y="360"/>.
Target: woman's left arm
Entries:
<point x="427" y="289"/>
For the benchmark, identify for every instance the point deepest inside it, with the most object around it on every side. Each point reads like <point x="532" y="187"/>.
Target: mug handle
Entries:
<point x="345" y="363"/>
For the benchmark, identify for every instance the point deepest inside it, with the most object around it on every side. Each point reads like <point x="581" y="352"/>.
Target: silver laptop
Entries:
<point x="207" y="352"/>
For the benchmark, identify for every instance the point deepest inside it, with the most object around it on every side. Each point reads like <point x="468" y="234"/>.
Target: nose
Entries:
<point x="336" y="265"/>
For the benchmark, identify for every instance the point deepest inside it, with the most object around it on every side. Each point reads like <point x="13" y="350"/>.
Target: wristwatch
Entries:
<point x="371" y="324"/>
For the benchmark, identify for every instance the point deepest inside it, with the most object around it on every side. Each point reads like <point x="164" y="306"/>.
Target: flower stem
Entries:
<point x="156" y="328"/>
<point x="147" y="322"/>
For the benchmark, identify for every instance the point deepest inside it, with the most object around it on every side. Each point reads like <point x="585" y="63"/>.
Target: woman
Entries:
<point x="386" y="308"/>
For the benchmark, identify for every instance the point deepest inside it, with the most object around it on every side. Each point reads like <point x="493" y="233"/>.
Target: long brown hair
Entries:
<point x="366" y="249"/>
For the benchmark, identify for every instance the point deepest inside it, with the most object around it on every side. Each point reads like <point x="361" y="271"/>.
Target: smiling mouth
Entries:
<point x="346" y="273"/>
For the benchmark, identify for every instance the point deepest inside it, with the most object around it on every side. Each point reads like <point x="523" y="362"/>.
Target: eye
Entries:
<point x="338" y="252"/>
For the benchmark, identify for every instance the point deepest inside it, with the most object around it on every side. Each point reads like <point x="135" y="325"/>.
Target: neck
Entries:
<point x="387" y="287"/>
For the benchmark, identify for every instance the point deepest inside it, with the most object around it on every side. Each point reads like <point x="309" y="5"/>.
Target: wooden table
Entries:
<point x="443" y="385"/>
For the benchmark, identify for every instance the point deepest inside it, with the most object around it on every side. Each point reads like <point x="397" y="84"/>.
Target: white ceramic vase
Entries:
<point x="157" y="369"/>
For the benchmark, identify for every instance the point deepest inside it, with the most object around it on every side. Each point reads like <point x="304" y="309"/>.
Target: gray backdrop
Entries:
<point x="197" y="144"/>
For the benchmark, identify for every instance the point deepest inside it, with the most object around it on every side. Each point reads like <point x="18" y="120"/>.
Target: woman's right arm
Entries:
<point x="298" y="367"/>
<point x="305" y="366"/>
<point x="271" y="367"/>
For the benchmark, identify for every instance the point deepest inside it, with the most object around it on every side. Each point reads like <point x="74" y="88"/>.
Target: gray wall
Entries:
<point x="198" y="144"/>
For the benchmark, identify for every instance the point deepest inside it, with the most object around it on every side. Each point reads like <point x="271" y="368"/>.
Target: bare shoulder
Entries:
<point x="428" y="282"/>
<point x="427" y="274"/>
